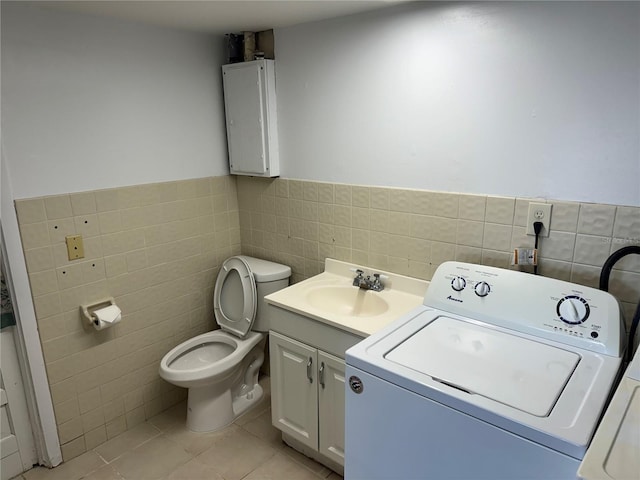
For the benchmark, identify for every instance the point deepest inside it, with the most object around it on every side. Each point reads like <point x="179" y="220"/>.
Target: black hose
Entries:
<point x="613" y="259"/>
<point x="604" y="285"/>
<point x="632" y="332"/>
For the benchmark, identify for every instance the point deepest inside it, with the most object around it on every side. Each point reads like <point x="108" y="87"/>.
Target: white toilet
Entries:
<point x="220" y="368"/>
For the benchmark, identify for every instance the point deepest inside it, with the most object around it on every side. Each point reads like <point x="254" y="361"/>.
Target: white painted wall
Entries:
<point x="90" y="103"/>
<point x="510" y="98"/>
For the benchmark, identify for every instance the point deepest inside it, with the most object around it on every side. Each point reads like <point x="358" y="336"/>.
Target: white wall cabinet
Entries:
<point x="251" y="116"/>
<point x="307" y="395"/>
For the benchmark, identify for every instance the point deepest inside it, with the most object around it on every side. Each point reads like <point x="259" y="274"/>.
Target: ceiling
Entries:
<point x="219" y="16"/>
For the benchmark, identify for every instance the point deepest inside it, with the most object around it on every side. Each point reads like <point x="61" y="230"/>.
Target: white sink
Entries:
<point x="330" y="297"/>
<point x="347" y="300"/>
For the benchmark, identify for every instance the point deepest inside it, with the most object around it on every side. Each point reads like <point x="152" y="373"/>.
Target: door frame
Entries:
<point x="27" y="337"/>
<point x="13" y="388"/>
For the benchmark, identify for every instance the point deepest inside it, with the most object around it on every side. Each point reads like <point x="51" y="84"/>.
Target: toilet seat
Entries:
<point x="226" y="297"/>
<point x="198" y="373"/>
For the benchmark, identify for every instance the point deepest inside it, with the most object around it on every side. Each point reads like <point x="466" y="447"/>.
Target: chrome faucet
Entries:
<point x="368" y="283"/>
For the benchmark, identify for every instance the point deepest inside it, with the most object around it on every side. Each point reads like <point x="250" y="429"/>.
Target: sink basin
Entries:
<point x="331" y="298"/>
<point x="347" y="300"/>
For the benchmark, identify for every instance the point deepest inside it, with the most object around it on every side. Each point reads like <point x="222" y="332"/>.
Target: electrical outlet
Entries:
<point x="539" y="212"/>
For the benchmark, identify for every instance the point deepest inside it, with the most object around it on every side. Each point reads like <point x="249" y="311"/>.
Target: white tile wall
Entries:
<point x="156" y="249"/>
<point x="413" y="231"/>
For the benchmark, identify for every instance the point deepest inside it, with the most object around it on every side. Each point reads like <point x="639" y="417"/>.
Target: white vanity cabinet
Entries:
<point x="307" y="384"/>
<point x="251" y="117"/>
<point x="307" y="391"/>
<point x="311" y="325"/>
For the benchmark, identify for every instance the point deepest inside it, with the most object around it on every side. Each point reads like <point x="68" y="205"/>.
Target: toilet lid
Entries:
<point x="234" y="297"/>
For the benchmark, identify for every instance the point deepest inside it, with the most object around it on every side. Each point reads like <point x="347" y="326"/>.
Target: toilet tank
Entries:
<point x="270" y="277"/>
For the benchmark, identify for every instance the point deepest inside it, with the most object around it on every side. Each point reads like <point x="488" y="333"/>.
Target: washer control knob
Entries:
<point x="573" y="310"/>
<point x="458" y="283"/>
<point x="482" y="289"/>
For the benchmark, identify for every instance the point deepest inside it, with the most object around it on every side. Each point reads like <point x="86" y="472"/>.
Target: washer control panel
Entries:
<point x="527" y="303"/>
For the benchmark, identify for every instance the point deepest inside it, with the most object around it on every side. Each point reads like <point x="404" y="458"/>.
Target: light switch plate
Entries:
<point x="539" y="212"/>
<point x="75" y="247"/>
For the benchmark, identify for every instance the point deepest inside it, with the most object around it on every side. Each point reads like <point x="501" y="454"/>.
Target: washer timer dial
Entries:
<point x="482" y="289"/>
<point x="458" y="283"/>
<point x="573" y="310"/>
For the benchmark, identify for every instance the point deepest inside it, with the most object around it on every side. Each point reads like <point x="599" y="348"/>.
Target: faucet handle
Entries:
<point x="357" y="281"/>
<point x="377" y="282"/>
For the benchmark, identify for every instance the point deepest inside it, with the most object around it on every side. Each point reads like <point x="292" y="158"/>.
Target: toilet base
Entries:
<point x="208" y="414"/>
<point x="213" y="407"/>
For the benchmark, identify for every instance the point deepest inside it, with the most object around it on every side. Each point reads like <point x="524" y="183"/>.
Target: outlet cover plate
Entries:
<point x="75" y="247"/>
<point x="539" y="212"/>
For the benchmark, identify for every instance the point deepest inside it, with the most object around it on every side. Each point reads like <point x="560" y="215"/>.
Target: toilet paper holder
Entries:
<point x="88" y="309"/>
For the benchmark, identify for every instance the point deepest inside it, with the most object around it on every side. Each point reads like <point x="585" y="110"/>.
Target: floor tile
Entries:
<point x="236" y="454"/>
<point x="305" y="461"/>
<point x="171" y="419"/>
<point x="106" y="472"/>
<point x="194" y="470"/>
<point x="172" y="423"/>
<point x="151" y="460"/>
<point x="127" y="441"/>
<point x="262" y="428"/>
<point x="280" y="467"/>
<point x="252" y="414"/>
<point x="163" y="448"/>
<point x="71" y="470"/>
<point x="196" y="443"/>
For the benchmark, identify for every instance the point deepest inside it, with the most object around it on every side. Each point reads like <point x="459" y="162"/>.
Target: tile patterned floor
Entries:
<point x="162" y="448"/>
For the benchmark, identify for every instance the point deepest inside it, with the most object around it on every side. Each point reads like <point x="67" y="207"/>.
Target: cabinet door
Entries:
<point x="294" y="391"/>
<point x="331" y="406"/>
<point x="244" y="108"/>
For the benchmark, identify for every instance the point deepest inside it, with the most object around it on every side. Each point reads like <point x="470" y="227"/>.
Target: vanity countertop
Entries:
<point x="331" y="298"/>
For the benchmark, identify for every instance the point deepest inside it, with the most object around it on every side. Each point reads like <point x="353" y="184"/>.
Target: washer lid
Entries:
<point x="512" y="370"/>
<point x="234" y="297"/>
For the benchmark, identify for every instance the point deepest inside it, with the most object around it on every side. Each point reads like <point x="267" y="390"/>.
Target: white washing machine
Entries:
<point x="614" y="453"/>
<point x="499" y="375"/>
